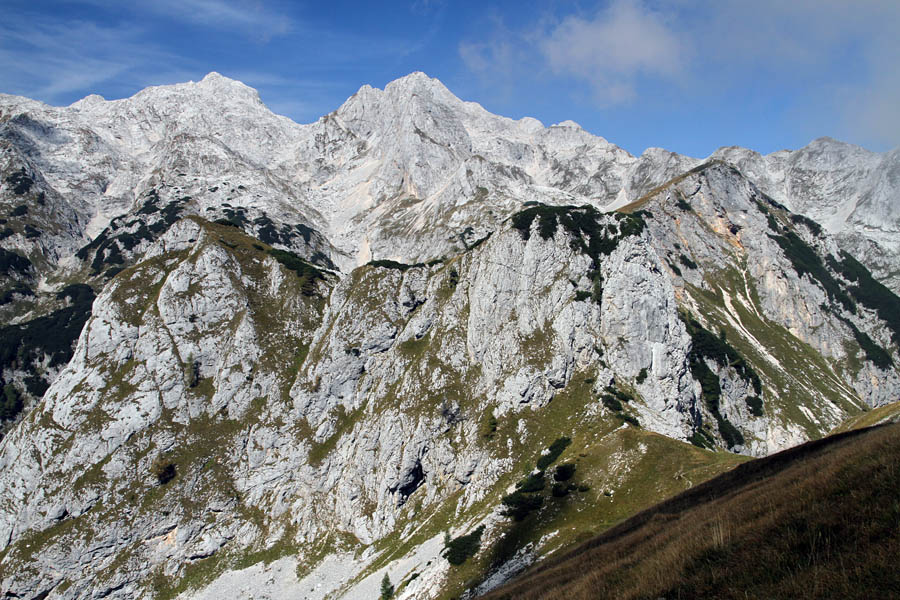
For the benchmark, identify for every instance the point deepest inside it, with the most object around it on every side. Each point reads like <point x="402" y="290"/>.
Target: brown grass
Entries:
<point x="818" y="521"/>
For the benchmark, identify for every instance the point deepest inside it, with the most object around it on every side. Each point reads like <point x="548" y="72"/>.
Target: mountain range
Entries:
<point x="251" y="358"/>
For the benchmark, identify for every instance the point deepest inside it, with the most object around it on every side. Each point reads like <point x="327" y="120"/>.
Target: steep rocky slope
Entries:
<point x="408" y="173"/>
<point x="850" y="191"/>
<point x="223" y="410"/>
<point x="255" y="404"/>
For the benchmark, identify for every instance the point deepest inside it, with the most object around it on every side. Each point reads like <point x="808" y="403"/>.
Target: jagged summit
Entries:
<point x="413" y="93"/>
<point x="834" y="144"/>
<point x="218" y="83"/>
<point x="416" y="81"/>
<point x="89" y="100"/>
<point x="214" y="77"/>
<point x="218" y="92"/>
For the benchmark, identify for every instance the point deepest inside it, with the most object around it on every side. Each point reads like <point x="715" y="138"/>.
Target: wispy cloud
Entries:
<point x="253" y="18"/>
<point x="613" y="48"/>
<point x="840" y="55"/>
<point x="52" y="60"/>
<point x="501" y="59"/>
<point x="248" y="16"/>
<point x="609" y="50"/>
<point x="870" y="108"/>
<point x="59" y="59"/>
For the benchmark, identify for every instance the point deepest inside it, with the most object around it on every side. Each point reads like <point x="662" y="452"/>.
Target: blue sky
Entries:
<point x="686" y="76"/>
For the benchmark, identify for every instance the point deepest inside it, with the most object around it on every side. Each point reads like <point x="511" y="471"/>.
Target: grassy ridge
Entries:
<point x="819" y="520"/>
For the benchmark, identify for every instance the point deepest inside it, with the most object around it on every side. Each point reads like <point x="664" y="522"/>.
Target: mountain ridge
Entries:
<point x="311" y="359"/>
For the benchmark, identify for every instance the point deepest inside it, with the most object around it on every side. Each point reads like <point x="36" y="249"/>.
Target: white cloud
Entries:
<point x="249" y="17"/>
<point x="839" y="58"/>
<point x="488" y="59"/>
<point x="832" y="65"/>
<point x="53" y="60"/>
<point x="622" y="42"/>
<point x="870" y="109"/>
<point x="502" y="59"/>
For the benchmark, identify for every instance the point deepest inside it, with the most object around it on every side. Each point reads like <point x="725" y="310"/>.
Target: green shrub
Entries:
<point x="519" y="505"/>
<point x="755" y="404"/>
<point x="564" y="472"/>
<point x="488" y="424"/>
<point x="687" y="262"/>
<point x="553" y="452"/>
<point x="629" y="419"/>
<point x="458" y="550"/>
<point x="814" y="227"/>
<point x="307" y="273"/>
<point x="706" y="345"/>
<point x="642" y="376"/>
<point x="49" y="338"/>
<point x="611" y="402"/>
<point x="874" y="353"/>
<point x="700" y="439"/>
<point x="163" y="470"/>
<point x="20" y="181"/>
<point x="10" y="403"/>
<point x="870" y="293"/>
<point x="191" y="372"/>
<point x="580" y="222"/>
<point x="17" y="290"/>
<point x="11" y="263"/>
<point x="36" y="385"/>
<point x="729" y="432"/>
<point x="710" y="390"/>
<point x="806" y="261"/>
<point x="392" y="264"/>
<point x="532" y="483"/>
<point x="560" y="490"/>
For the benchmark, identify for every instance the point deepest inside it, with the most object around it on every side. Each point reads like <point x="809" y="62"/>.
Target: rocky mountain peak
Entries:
<point x="403" y="100"/>
<point x="828" y="153"/>
<point x="568" y="123"/>
<point x="417" y="82"/>
<point x="88" y="101"/>
<point x="217" y="83"/>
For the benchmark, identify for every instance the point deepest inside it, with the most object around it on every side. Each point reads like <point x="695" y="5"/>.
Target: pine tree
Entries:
<point x="387" y="588"/>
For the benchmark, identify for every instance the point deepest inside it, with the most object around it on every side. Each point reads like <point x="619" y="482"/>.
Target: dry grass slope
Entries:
<point x="821" y="520"/>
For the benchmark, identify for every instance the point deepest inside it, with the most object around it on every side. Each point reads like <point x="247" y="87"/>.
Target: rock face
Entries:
<point x="244" y="406"/>
<point x="851" y="192"/>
